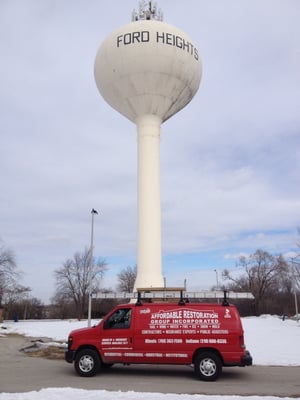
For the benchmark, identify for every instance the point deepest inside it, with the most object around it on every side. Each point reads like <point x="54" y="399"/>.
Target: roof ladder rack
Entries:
<point x="171" y="294"/>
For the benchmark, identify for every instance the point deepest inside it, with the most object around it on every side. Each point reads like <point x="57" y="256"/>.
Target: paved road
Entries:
<point x="20" y="373"/>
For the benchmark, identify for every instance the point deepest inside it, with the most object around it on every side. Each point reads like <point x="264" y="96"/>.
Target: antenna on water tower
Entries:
<point x="147" y="11"/>
<point x="148" y="71"/>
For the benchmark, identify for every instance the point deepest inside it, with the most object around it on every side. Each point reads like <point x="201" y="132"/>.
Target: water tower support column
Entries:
<point x="149" y="263"/>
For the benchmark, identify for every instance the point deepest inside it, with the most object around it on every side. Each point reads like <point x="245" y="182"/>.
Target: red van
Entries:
<point x="207" y="335"/>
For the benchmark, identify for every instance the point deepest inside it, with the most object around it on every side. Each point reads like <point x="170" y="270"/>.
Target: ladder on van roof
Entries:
<point x="166" y="294"/>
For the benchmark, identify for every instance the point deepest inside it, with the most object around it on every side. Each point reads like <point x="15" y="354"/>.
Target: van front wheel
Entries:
<point x="87" y="362"/>
<point x="208" y="366"/>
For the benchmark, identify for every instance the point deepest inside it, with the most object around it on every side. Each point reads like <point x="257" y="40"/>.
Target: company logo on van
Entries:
<point x="227" y="313"/>
<point x="146" y="311"/>
<point x="184" y="319"/>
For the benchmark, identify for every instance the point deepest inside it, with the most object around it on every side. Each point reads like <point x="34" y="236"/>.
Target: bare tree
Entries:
<point x="72" y="279"/>
<point x="62" y="306"/>
<point x="9" y="275"/>
<point x="126" y="279"/>
<point x="263" y="275"/>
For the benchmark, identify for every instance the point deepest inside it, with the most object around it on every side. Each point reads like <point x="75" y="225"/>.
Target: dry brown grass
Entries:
<point x="51" y="353"/>
<point x="43" y="348"/>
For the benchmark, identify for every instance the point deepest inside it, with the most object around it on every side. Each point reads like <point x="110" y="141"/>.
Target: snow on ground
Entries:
<point x="79" y="394"/>
<point x="270" y="340"/>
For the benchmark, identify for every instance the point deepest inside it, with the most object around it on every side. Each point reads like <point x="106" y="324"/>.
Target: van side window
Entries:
<point x="119" y="319"/>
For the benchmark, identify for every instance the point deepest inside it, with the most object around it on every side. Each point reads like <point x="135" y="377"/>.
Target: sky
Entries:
<point x="230" y="161"/>
<point x="257" y="338"/>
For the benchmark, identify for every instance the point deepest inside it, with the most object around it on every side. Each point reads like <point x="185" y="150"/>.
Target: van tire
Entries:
<point x="87" y="362"/>
<point x="208" y="366"/>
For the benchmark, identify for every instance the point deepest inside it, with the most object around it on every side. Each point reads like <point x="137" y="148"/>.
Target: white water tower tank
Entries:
<point x="148" y="70"/>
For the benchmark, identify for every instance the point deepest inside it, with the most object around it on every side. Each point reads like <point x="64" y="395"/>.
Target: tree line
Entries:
<point x="274" y="282"/>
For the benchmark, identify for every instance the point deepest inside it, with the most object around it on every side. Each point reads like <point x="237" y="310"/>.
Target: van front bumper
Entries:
<point x="70" y="356"/>
<point x="246" y="359"/>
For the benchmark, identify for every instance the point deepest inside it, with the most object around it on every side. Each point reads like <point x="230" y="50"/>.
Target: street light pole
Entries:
<point x="217" y="279"/>
<point x="91" y="267"/>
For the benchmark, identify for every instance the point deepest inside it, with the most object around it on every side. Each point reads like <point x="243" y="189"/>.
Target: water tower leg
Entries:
<point x="149" y="258"/>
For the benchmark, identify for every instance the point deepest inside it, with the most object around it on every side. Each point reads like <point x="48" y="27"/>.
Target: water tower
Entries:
<point x="148" y="71"/>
